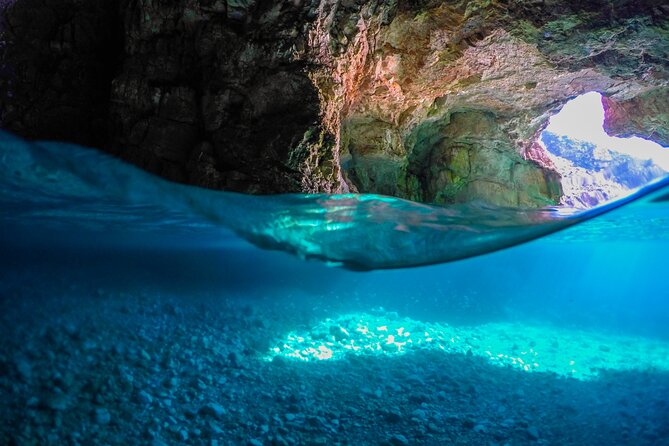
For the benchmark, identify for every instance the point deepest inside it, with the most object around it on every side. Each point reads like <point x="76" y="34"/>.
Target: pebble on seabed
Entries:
<point x="102" y="416"/>
<point x="196" y="392"/>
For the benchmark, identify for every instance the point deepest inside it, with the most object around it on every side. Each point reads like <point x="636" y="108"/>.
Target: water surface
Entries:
<point x="138" y="311"/>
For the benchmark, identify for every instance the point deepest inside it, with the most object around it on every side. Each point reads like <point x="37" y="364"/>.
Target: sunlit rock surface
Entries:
<point x="592" y="175"/>
<point x="446" y="101"/>
<point x="428" y="101"/>
<point x="645" y="115"/>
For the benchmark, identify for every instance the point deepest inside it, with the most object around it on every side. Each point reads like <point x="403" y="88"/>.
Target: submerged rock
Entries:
<point x="102" y="416"/>
<point x="398" y="440"/>
<point x="57" y="401"/>
<point x="533" y="433"/>
<point x="23" y="368"/>
<point x="213" y="409"/>
<point x="143" y="397"/>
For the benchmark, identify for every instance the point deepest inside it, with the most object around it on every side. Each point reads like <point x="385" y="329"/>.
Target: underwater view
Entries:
<point x="138" y="311"/>
<point x="334" y="222"/>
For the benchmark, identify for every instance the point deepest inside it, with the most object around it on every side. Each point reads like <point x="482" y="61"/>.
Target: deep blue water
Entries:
<point x="136" y="311"/>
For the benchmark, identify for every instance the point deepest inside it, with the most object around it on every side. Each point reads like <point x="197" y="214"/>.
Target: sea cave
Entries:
<point x="334" y="222"/>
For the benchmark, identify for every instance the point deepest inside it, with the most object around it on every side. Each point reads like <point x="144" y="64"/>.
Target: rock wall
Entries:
<point x="214" y="93"/>
<point x="206" y="92"/>
<point x="433" y="101"/>
<point x="446" y="100"/>
<point x="645" y="115"/>
<point x="57" y="62"/>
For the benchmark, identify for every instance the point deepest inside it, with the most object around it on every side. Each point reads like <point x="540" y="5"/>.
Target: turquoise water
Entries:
<point x="137" y="311"/>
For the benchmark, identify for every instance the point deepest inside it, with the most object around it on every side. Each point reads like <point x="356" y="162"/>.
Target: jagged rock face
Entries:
<point x="204" y="92"/>
<point x="447" y="100"/>
<point x="211" y="93"/>
<point x="645" y="115"/>
<point x="434" y="101"/>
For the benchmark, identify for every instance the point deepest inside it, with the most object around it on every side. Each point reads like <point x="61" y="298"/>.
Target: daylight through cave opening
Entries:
<point x="594" y="166"/>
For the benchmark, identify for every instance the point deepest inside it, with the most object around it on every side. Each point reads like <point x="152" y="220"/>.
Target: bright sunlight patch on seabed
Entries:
<point x="528" y="348"/>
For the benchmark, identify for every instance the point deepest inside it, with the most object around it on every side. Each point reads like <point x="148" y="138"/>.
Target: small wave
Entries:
<point x="64" y="184"/>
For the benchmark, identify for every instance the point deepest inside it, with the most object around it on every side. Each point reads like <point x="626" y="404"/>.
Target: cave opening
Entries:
<point x="594" y="166"/>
